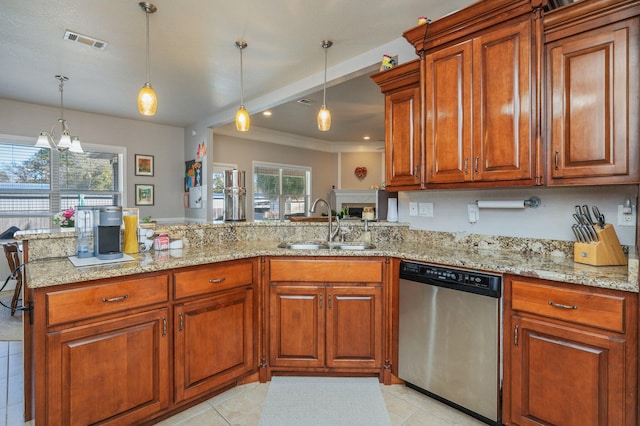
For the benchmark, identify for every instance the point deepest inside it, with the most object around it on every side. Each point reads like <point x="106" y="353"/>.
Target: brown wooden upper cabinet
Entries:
<point x="478" y="107"/>
<point x="403" y="146"/>
<point x="592" y="74"/>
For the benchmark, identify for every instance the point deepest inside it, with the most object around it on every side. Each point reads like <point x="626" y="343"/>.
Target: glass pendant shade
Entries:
<point x="242" y="119"/>
<point x="147" y="100"/>
<point x="65" y="140"/>
<point x="75" y="145"/>
<point x="43" y="141"/>
<point x="324" y="119"/>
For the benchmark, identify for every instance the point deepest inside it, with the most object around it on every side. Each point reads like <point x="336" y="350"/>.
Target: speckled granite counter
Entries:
<point x="210" y="243"/>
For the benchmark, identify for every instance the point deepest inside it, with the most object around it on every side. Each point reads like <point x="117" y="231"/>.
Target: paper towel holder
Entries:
<point x="532" y="202"/>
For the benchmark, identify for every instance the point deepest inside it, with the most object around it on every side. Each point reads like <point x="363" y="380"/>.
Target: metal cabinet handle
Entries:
<point x="181" y="322"/>
<point x="416" y="170"/>
<point x="466" y="165"/>
<point x="556" y="160"/>
<point x="561" y="306"/>
<point x="321" y="301"/>
<point x="476" y="164"/>
<point x="329" y="301"/>
<point x="218" y="280"/>
<point x="515" y="335"/>
<point x="115" y="299"/>
<point x="164" y="326"/>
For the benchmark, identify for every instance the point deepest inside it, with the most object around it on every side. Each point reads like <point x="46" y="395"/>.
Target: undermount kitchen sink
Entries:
<point x="325" y="245"/>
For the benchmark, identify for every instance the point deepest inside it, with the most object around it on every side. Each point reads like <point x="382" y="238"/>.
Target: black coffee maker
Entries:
<point x="106" y="235"/>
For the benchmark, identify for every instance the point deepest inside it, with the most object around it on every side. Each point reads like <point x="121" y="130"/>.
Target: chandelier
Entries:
<point x="66" y="141"/>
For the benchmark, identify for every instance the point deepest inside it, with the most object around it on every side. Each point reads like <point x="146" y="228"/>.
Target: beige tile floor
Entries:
<point x="240" y="406"/>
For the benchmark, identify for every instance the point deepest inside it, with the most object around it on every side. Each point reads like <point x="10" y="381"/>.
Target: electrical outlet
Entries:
<point x="473" y="213"/>
<point x="425" y="209"/>
<point x="626" y="219"/>
<point x="413" y="208"/>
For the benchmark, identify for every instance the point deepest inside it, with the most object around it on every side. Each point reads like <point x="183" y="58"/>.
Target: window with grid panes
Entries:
<point x="37" y="183"/>
<point x="280" y="191"/>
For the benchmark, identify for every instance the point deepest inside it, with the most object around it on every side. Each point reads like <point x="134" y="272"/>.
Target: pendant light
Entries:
<point x="66" y="141"/>
<point x="324" y="115"/>
<point x="147" y="100"/>
<point x="242" y="116"/>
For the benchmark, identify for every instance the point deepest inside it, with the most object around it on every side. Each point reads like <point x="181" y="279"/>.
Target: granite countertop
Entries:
<point x="56" y="271"/>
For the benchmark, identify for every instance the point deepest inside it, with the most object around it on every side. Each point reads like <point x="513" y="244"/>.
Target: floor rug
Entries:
<point x="324" y="401"/>
<point x="10" y="326"/>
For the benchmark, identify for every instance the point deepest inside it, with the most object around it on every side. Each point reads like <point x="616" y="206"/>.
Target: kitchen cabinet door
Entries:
<point x="592" y="106"/>
<point x="403" y="140"/>
<point x="214" y="342"/>
<point x="296" y="326"/>
<point x="566" y="376"/>
<point x="354" y="327"/>
<point x="478" y="109"/>
<point x="448" y="114"/>
<point x="113" y="372"/>
<point x="502" y="99"/>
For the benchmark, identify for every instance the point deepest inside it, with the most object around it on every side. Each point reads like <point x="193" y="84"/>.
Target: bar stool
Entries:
<point x="13" y="258"/>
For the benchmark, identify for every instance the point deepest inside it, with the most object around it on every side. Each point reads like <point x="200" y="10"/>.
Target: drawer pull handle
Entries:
<point x="115" y="299"/>
<point x="561" y="306"/>
<point x="218" y="280"/>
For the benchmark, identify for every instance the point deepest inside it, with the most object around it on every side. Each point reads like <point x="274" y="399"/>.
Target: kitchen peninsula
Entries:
<point x="138" y="327"/>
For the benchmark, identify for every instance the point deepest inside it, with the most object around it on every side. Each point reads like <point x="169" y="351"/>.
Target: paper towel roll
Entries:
<point x="504" y="204"/>
<point x="392" y="210"/>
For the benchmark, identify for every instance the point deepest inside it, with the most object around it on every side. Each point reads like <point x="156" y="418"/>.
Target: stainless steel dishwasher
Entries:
<point x="449" y="338"/>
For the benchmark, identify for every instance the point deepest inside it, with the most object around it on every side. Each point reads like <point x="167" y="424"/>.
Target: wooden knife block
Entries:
<point x="607" y="251"/>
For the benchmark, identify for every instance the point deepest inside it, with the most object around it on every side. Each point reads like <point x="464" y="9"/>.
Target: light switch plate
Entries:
<point x="413" y="208"/>
<point x="425" y="209"/>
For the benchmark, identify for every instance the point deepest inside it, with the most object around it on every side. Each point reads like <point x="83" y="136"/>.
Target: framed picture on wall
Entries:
<point x="144" y="195"/>
<point x="144" y="165"/>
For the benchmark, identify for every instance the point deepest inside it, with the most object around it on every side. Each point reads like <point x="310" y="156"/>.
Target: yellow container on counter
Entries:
<point x="130" y="218"/>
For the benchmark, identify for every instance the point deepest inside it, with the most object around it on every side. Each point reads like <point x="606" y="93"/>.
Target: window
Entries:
<point x="217" y="188"/>
<point x="280" y="191"/>
<point x="36" y="183"/>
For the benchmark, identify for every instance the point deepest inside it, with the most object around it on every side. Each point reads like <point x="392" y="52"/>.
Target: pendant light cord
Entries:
<point x="241" y="79"/>
<point x="61" y="90"/>
<point x="146" y="13"/>
<point x="324" y="89"/>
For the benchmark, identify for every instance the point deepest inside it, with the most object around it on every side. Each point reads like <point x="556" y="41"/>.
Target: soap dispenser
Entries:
<point x="366" y="234"/>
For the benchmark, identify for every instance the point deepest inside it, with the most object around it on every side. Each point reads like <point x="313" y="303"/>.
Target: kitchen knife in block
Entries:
<point x="607" y="251"/>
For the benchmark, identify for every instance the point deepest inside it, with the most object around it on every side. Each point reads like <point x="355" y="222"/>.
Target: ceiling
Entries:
<point x="195" y="65"/>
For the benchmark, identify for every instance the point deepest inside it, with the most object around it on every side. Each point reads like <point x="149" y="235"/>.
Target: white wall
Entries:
<point x="165" y="143"/>
<point x="552" y="220"/>
<point x="371" y="160"/>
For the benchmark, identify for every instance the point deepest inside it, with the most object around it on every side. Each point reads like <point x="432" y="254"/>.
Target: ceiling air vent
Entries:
<point x="305" y="101"/>
<point x="89" y="41"/>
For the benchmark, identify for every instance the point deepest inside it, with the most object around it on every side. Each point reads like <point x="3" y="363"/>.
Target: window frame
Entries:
<point x="308" y="173"/>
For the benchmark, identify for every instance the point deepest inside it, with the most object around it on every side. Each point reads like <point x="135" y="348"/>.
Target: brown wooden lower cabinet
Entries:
<point x="127" y="350"/>
<point x="213" y="340"/>
<point x="570" y="354"/>
<point x="325" y="315"/>
<point x="109" y="372"/>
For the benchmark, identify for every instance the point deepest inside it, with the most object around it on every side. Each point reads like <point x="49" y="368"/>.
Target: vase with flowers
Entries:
<point x="66" y="218"/>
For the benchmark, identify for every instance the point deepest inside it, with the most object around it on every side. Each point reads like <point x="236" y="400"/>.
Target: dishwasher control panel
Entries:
<point x="454" y="277"/>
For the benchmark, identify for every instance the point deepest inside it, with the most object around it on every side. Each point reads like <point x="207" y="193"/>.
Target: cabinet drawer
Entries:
<point x="213" y="278"/>
<point x="580" y="307"/>
<point x="95" y="300"/>
<point x="326" y="270"/>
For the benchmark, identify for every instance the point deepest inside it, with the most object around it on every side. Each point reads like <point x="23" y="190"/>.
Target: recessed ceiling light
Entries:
<point x="366" y="138"/>
<point x="266" y="113"/>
